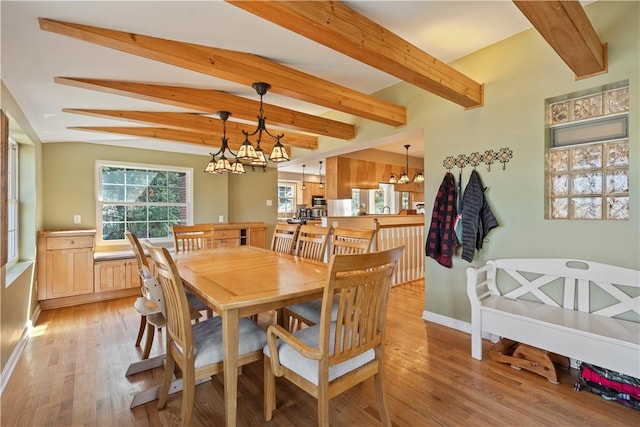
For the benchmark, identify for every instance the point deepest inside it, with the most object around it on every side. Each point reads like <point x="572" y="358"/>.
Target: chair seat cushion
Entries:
<point x="196" y="302"/>
<point x="308" y="368"/>
<point x="207" y="339"/>
<point x="310" y="310"/>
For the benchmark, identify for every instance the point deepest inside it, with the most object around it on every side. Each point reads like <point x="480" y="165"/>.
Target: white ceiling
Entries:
<point x="31" y="58"/>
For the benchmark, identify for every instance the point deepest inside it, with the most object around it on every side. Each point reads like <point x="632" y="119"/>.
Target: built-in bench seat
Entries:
<point x="583" y="310"/>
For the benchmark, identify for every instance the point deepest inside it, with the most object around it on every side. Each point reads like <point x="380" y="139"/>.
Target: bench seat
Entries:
<point x="567" y="307"/>
<point x="599" y="340"/>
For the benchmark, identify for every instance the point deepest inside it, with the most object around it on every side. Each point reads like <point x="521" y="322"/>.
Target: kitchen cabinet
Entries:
<point x="65" y="263"/>
<point x="344" y="174"/>
<point x="313" y="189"/>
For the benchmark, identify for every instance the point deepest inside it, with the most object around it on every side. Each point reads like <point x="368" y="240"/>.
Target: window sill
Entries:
<point x="16" y="270"/>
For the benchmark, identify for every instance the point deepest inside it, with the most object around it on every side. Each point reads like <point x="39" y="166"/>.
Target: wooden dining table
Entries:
<point x="242" y="281"/>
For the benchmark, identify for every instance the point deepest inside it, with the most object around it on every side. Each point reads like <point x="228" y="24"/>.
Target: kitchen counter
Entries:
<point x="367" y="221"/>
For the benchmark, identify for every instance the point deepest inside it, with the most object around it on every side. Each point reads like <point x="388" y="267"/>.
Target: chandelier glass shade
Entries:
<point x="254" y="156"/>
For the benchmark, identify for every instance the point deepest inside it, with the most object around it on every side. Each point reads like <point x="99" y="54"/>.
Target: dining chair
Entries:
<point x="312" y="242"/>
<point x="343" y="241"/>
<point x="197" y="349"/>
<point x="149" y="305"/>
<point x="332" y="356"/>
<point x="284" y="237"/>
<point x="193" y="238"/>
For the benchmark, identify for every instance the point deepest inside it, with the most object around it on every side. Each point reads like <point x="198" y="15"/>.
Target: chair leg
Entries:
<point x="188" y="394"/>
<point x="143" y="324"/>
<point x="169" y="368"/>
<point x="382" y="403"/>
<point x="151" y="330"/>
<point x="323" y="404"/>
<point x="269" y="390"/>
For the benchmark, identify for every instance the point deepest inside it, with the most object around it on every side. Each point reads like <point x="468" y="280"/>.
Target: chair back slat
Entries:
<point x="141" y="258"/>
<point x="284" y="238"/>
<point x="352" y="241"/>
<point x="177" y="310"/>
<point x="312" y="242"/>
<point x="192" y="237"/>
<point x="362" y="283"/>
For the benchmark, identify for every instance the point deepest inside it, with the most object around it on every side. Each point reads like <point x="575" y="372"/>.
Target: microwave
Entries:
<point x="318" y="201"/>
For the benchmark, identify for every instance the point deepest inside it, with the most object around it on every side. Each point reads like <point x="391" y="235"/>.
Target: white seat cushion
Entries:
<point x="207" y="338"/>
<point x="308" y="368"/>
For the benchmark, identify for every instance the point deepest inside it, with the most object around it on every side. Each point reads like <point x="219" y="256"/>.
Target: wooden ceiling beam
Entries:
<point x="566" y="27"/>
<point x="340" y="28"/>
<point x="193" y="122"/>
<point x="196" y="138"/>
<point x="212" y="101"/>
<point x="239" y="67"/>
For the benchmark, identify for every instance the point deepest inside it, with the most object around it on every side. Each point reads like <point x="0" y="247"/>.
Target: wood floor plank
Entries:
<point x="72" y="372"/>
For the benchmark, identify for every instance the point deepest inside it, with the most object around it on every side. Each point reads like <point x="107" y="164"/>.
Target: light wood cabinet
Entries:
<point x="226" y="238"/>
<point x="313" y="189"/>
<point x="344" y="174"/>
<point x="116" y="274"/>
<point x="65" y="263"/>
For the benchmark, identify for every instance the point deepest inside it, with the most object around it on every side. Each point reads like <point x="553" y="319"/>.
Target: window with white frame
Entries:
<point x="146" y="200"/>
<point x="588" y="154"/>
<point x="286" y="197"/>
<point x="13" y="202"/>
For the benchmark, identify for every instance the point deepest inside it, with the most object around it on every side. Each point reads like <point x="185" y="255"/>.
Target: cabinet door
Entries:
<point x="116" y="274"/>
<point x="69" y="272"/>
<point x="257" y="237"/>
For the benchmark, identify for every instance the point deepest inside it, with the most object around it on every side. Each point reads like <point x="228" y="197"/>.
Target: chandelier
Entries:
<point x="254" y="156"/>
<point x="404" y="177"/>
<point x="222" y="164"/>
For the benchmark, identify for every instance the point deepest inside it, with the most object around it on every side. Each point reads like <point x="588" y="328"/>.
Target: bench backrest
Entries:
<point x="585" y="286"/>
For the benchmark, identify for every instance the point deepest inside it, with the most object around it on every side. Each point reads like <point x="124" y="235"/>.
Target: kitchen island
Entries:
<point x="392" y="231"/>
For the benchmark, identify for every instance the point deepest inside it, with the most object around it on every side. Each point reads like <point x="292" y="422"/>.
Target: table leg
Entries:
<point x="230" y="343"/>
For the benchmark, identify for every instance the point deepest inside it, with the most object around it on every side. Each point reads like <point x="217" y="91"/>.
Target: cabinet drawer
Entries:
<point x="226" y="234"/>
<point x="69" y="242"/>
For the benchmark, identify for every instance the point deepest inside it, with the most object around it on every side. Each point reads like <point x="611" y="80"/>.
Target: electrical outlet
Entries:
<point x="221" y="218"/>
<point x="77" y="219"/>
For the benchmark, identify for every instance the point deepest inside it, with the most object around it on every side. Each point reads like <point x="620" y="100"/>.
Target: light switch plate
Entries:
<point x="269" y="202"/>
<point x="77" y="219"/>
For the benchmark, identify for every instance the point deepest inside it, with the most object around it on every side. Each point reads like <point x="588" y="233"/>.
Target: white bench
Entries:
<point x="562" y="306"/>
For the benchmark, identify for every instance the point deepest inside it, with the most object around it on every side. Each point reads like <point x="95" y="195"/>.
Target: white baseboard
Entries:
<point x="5" y="376"/>
<point x="447" y="321"/>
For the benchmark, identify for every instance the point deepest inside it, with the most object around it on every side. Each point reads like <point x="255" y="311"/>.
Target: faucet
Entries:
<point x="386" y="207"/>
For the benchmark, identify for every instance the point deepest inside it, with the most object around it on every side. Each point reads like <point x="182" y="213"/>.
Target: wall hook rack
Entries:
<point x="474" y="159"/>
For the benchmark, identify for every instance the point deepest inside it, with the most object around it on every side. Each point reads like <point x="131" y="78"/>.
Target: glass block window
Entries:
<point x="588" y="156"/>
<point x="146" y="200"/>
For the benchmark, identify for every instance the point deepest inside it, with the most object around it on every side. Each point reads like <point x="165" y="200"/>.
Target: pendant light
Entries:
<point x="321" y="185"/>
<point x="222" y="164"/>
<point x="304" y="186"/>
<point x="256" y="155"/>
<point x="404" y="177"/>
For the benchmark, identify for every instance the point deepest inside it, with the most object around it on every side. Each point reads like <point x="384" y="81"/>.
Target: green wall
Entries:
<point x="69" y="187"/>
<point x="519" y="73"/>
<point x="248" y="198"/>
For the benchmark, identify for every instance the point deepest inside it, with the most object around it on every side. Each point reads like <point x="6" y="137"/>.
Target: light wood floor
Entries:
<point x="72" y="373"/>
